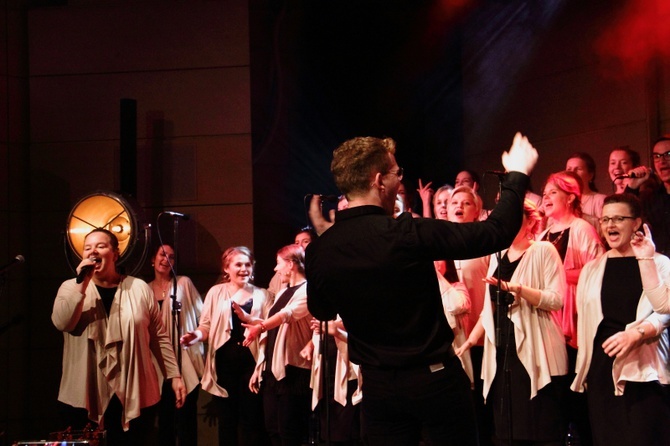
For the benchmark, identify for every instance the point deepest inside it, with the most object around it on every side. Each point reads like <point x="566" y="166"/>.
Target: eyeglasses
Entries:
<point x="398" y="173"/>
<point x="617" y="219"/>
<point x="658" y="156"/>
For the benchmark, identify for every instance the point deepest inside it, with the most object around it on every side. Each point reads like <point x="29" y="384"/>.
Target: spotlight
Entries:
<point x="111" y="211"/>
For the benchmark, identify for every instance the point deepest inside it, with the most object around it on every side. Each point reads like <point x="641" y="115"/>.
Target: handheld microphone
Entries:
<point x="628" y="175"/>
<point x="499" y="173"/>
<point x="85" y="270"/>
<point x="15" y="261"/>
<point x="178" y="215"/>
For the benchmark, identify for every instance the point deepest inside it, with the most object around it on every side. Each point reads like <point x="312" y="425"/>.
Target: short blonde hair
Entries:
<point x="479" y="204"/>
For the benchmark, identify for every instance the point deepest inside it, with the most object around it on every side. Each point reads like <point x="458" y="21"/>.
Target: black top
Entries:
<point x="656" y="207"/>
<point x="107" y="296"/>
<point x="619" y="296"/>
<point x="377" y="273"/>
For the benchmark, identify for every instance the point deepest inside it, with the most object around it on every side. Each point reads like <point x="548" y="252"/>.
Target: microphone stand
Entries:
<point x="325" y="378"/>
<point x="176" y="305"/>
<point x="500" y="319"/>
<point x="176" y="310"/>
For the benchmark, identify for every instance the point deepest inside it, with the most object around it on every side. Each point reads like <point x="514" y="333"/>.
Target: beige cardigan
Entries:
<point x="193" y="357"/>
<point x="293" y="335"/>
<point x="583" y="246"/>
<point x="540" y="345"/>
<point x="103" y="356"/>
<point x="216" y="325"/>
<point x="649" y="361"/>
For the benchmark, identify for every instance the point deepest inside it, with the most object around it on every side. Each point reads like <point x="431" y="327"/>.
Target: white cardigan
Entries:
<point x="540" y="345"/>
<point x="649" y="361"/>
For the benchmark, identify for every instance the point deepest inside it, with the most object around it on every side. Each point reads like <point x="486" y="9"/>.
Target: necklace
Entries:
<point x="163" y="288"/>
<point x="557" y="239"/>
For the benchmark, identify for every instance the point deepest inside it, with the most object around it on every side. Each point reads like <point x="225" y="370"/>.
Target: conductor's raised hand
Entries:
<point x="521" y="156"/>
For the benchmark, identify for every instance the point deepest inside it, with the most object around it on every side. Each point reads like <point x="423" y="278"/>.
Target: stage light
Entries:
<point x="111" y="211"/>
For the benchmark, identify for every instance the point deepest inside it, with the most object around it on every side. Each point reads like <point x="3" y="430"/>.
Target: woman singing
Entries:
<point x="523" y="345"/>
<point x="111" y="326"/>
<point x="623" y="344"/>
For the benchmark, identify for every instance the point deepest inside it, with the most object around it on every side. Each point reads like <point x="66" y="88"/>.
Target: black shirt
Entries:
<point x="377" y="273"/>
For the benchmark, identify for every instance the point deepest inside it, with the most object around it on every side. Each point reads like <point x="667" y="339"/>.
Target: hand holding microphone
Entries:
<point x="87" y="268"/>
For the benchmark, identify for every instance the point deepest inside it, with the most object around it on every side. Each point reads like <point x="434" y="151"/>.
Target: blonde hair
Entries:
<point x="227" y="257"/>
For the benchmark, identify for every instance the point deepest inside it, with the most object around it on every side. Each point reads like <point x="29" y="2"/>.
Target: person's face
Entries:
<point x="578" y="166"/>
<point x="619" y="164"/>
<point x="284" y="267"/>
<point x="239" y="269"/>
<point x="618" y="235"/>
<point x="441" y="203"/>
<point x="162" y="260"/>
<point x="399" y="206"/>
<point x="462" y="208"/>
<point x="556" y="203"/>
<point x="98" y="245"/>
<point x="303" y="239"/>
<point x="465" y="179"/>
<point x="391" y="181"/>
<point x="662" y="164"/>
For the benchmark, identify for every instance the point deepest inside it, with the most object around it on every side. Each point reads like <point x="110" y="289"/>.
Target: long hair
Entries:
<point x="571" y="184"/>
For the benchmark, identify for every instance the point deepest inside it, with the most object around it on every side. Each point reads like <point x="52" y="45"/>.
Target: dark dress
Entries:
<point x="640" y="416"/>
<point x="538" y="419"/>
<point x="241" y="413"/>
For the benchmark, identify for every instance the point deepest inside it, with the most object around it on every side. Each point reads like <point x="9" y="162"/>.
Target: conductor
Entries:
<point x="377" y="273"/>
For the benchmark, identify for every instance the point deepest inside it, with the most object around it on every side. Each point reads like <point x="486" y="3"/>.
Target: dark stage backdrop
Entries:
<point x="336" y="70"/>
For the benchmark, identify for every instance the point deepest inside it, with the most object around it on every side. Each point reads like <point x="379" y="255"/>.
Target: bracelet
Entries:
<point x="263" y="328"/>
<point x="644" y="258"/>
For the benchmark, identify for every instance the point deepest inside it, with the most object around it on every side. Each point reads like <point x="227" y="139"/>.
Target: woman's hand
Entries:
<point x="254" y="382"/>
<point x="243" y="315"/>
<point x="426" y="192"/>
<point x="179" y="390"/>
<point x="307" y="351"/>
<point x="619" y="344"/>
<point x="463" y="348"/>
<point x="642" y="244"/>
<point x="188" y="339"/>
<point x="253" y="331"/>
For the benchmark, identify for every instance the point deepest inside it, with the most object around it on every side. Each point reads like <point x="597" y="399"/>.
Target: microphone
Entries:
<point x="15" y="261"/>
<point x="178" y="215"/>
<point x="330" y="198"/>
<point x="628" y="175"/>
<point x="500" y="173"/>
<point x="85" y="270"/>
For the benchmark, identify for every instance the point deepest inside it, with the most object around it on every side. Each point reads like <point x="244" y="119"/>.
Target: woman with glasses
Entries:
<point x="623" y="344"/>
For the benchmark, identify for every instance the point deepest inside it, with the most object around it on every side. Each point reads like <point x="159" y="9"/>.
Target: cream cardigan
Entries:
<point x="649" y="361"/>
<point x="583" y="246"/>
<point x="540" y="345"/>
<point x="111" y="355"/>
<point x="216" y="325"/>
